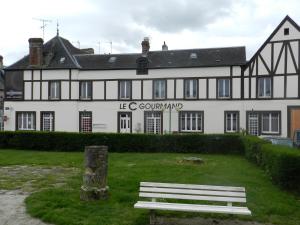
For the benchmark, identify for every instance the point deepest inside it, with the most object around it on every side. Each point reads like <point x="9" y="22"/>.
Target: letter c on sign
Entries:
<point x="132" y="106"/>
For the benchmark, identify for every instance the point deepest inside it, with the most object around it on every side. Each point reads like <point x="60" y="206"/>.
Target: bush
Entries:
<point x="63" y="141"/>
<point x="252" y="148"/>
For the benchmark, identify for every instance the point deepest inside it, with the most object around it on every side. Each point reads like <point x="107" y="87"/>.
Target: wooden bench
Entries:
<point x="212" y="195"/>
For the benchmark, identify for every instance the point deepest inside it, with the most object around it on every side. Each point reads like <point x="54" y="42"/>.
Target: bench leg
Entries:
<point x="152" y="217"/>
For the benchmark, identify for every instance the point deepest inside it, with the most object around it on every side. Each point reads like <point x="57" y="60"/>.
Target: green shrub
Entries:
<point x="252" y="148"/>
<point x="63" y="141"/>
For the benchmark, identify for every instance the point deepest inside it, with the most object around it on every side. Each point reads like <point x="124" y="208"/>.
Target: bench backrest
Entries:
<point x="193" y="192"/>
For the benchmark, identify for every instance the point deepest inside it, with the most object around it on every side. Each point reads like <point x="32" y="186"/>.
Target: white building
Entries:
<point x="59" y="87"/>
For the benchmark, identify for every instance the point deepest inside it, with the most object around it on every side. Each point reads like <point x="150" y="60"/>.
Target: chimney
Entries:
<point x="164" y="47"/>
<point x="35" y="52"/>
<point x="1" y="62"/>
<point x="145" y="46"/>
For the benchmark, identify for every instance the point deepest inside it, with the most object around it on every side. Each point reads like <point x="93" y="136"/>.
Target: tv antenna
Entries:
<point x="44" y="24"/>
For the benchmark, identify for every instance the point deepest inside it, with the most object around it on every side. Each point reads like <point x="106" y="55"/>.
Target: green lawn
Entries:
<point x="62" y="206"/>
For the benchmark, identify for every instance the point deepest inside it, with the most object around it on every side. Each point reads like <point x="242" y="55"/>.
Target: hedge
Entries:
<point x="65" y="141"/>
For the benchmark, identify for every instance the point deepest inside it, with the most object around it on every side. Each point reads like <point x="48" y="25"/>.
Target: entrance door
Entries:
<point x="153" y="122"/>
<point x="253" y="124"/>
<point x="125" y="122"/>
<point x="293" y="120"/>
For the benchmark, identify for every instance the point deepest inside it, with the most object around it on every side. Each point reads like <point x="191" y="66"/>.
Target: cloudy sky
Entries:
<point x="181" y="23"/>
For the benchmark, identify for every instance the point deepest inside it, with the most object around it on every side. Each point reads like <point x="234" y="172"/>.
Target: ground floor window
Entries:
<point x="47" y="121"/>
<point x="85" y="122"/>
<point x="263" y="123"/>
<point x="191" y="121"/>
<point x="1" y="120"/>
<point x="231" y="121"/>
<point x="124" y="122"/>
<point x="153" y="122"/>
<point x="25" y="120"/>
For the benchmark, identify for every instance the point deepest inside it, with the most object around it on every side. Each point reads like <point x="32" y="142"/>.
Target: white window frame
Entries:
<point x="51" y="119"/>
<point x="231" y="114"/>
<point x="125" y="91"/>
<point x="85" y="86"/>
<point x="190" y="92"/>
<point x="263" y="81"/>
<point x="161" y="85"/>
<point x="189" y="117"/>
<point x="54" y="90"/>
<point x="27" y="121"/>
<point x="222" y="83"/>
<point x="156" y="118"/>
<point x="269" y="115"/>
<point x="85" y="115"/>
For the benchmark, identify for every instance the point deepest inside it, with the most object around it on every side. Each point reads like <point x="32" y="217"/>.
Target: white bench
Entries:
<point x="208" y="193"/>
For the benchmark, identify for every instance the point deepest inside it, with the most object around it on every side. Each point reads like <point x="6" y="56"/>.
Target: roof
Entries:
<point x="58" y="48"/>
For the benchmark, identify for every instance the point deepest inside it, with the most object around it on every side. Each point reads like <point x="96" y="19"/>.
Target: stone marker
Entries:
<point x="95" y="175"/>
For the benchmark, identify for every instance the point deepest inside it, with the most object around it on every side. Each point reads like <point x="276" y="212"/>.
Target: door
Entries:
<point x="253" y="123"/>
<point x="293" y="120"/>
<point x="153" y="122"/>
<point x="125" y="122"/>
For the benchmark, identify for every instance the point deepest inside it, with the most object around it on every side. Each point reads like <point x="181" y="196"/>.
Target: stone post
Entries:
<point x="95" y="175"/>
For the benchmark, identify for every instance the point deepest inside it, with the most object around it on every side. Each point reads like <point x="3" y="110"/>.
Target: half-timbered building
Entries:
<point x="58" y="87"/>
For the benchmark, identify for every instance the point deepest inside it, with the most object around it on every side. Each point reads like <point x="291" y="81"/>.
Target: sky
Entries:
<point x="119" y="26"/>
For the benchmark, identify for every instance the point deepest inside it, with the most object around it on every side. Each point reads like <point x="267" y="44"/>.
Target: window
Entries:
<point x="286" y="31"/>
<point x="191" y="121"/>
<point x="190" y="88"/>
<point x="54" y="90"/>
<point x="264" y="87"/>
<point x="223" y="88"/>
<point x="270" y="123"/>
<point x="159" y="89"/>
<point x="142" y="66"/>
<point x="85" y="121"/>
<point x="25" y="120"/>
<point x="47" y="121"/>
<point x="263" y="123"/>
<point x="86" y="90"/>
<point x="1" y="120"/>
<point x="124" y="89"/>
<point x="125" y="124"/>
<point x="231" y="121"/>
<point x="153" y="122"/>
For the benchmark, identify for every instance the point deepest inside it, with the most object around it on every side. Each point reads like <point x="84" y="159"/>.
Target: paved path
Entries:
<point x="12" y="209"/>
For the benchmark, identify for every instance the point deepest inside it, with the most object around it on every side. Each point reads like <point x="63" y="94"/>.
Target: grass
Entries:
<point x="62" y="206"/>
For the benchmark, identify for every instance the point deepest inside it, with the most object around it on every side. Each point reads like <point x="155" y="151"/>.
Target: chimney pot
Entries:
<point x="164" y="47"/>
<point x="36" y="52"/>
<point x="145" y="46"/>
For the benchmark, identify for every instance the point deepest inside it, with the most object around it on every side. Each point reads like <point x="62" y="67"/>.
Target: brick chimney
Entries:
<point x="1" y="62"/>
<point x="145" y="46"/>
<point x="35" y="52"/>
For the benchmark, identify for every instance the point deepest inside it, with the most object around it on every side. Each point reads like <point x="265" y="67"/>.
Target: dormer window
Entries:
<point x="286" y="31"/>
<point x="142" y="66"/>
<point x="193" y="55"/>
<point x="112" y="59"/>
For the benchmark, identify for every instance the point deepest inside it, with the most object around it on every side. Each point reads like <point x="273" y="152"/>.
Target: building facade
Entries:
<point x="58" y="87"/>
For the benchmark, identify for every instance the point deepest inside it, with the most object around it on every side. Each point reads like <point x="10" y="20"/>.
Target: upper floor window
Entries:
<point x="25" y="120"/>
<point x="54" y="90"/>
<point x="86" y="90"/>
<point x="190" y="88"/>
<point x="286" y="31"/>
<point x="223" y="88"/>
<point x="264" y="87"/>
<point x="231" y="121"/>
<point x="142" y="66"/>
<point x="125" y="89"/>
<point x="159" y="89"/>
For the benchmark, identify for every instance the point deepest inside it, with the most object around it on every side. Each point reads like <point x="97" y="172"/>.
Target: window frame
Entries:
<point x="80" y="93"/>
<point x="142" y="66"/>
<point x="229" y="88"/>
<point x="237" y="122"/>
<point x="120" y="91"/>
<point x="34" y="120"/>
<point x="41" y="120"/>
<point x="80" y="116"/>
<point x="260" y="131"/>
<point x="264" y="84"/>
<point x="118" y="122"/>
<point x="146" y="113"/>
<point x="190" y="131"/>
<point x="49" y="90"/>
<point x="153" y="89"/>
<point x="185" y="87"/>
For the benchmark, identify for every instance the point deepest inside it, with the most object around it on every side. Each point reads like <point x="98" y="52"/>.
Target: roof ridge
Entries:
<point x="73" y="59"/>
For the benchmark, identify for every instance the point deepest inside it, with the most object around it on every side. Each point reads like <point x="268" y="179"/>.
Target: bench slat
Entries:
<point x="192" y="186"/>
<point x="193" y="197"/>
<point x="193" y="208"/>
<point x="190" y="191"/>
